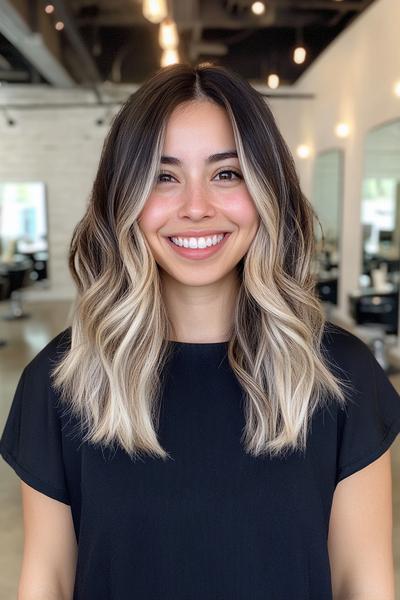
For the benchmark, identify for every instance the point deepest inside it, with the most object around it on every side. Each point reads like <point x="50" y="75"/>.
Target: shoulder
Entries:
<point x="56" y="346"/>
<point x="374" y="407"/>
<point x="48" y="357"/>
<point x="336" y="338"/>
<point x="344" y="349"/>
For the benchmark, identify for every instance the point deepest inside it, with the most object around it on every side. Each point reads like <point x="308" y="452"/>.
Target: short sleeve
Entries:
<point x="371" y="421"/>
<point x="31" y="441"/>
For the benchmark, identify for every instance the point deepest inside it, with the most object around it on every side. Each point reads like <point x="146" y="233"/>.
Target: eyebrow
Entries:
<point x="171" y="160"/>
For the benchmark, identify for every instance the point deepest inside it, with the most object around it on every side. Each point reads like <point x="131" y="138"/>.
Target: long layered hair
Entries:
<point x="111" y="375"/>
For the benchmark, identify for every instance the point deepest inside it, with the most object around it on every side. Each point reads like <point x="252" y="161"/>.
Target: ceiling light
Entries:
<point x="342" y="130"/>
<point x="155" y="11"/>
<point x="168" y="35"/>
<point x="59" y="25"/>
<point x="273" y="81"/>
<point x="396" y="88"/>
<point x="169" y="57"/>
<point x="258" y="8"/>
<point x="299" y="55"/>
<point x="303" y="151"/>
<point x="49" y="8"/>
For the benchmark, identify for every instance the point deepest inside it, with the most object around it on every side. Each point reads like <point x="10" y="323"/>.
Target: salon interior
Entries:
<point x="330" y="72"/>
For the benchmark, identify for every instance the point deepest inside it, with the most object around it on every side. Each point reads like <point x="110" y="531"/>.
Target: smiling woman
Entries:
<point x="200" y="412"/>
<point x="138" y="290"/>
<point x="221" y="214"/>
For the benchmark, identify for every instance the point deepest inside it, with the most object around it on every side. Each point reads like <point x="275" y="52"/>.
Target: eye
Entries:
<point x="162" y="177"/>
<point x="227" y="175"/>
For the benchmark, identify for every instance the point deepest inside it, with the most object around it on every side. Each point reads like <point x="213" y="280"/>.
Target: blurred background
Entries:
<point x="330" y="71"/>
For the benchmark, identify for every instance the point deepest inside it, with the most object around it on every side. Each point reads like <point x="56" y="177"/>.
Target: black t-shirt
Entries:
<point x="214" y="523"/>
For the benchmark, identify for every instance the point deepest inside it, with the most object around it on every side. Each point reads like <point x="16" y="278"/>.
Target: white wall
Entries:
<point x="352" y="81"/>
<point x="60" y="146"/>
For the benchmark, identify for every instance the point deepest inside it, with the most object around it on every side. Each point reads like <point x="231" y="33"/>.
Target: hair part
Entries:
<point x="111" y="376"/>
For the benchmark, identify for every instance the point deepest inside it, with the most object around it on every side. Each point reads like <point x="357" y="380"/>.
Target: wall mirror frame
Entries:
<point x="327" y="200"/>
<point x="380" y="200"/>
<point x="376" y="303"/>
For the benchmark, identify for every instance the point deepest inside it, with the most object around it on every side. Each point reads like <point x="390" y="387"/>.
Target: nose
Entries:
<point x="196" y="202"/>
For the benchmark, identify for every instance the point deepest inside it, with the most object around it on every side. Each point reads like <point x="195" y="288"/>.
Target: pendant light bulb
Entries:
<point x="258" y="8"/>
<point x="299" y="55"/>
<point x="155" y="11"/>
<point x="273" y="81"/>
<point x="169" y="57"/>
<point x="168" y="35"/>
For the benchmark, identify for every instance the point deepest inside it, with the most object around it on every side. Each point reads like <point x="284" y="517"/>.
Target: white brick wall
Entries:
<point x="60" y="146"/>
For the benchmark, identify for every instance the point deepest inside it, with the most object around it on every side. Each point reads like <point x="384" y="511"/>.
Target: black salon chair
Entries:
<point x="39" y="260"/>
<point x="17" y="272"/>
<point x="376" y="316"/>
<point x="3" y="295"/>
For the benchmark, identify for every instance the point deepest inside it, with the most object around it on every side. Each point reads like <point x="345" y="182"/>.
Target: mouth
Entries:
<point x="186" y="237"/>
<point x="199" y="253"/>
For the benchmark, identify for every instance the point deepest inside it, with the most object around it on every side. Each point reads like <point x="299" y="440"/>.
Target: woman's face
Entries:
<point x="200" y="193"/>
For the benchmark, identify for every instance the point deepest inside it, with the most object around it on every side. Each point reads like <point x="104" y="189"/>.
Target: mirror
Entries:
<point x="380" y="214"/>
<point x="376" y="301"/>
<point x="23" y="227"/>
<point x="326" y="199"/>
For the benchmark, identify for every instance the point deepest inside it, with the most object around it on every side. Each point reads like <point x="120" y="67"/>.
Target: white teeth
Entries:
<point x="201" y="242"/>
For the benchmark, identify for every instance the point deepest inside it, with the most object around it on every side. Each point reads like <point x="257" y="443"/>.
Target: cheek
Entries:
<point x="241" y="210"/>
<point x="153" y="215"/>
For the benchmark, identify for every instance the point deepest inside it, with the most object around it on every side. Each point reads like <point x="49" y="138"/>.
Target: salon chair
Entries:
<point x="4" y="285"/>
<point x="376" y="317"/>
<point x="39" y="268"/>
<point x="17" y="272"/>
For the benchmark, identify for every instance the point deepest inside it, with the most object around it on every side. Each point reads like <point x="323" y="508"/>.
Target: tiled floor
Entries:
<point x="25" y="338"/>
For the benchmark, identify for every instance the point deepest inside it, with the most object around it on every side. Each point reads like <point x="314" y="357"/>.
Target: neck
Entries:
<point x="202" y="314"/>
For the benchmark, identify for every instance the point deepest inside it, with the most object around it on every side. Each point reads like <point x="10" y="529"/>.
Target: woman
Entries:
<point x="200" y="428"/>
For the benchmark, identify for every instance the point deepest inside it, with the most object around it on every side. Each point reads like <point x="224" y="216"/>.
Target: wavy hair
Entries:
<point x="111" y="375"/>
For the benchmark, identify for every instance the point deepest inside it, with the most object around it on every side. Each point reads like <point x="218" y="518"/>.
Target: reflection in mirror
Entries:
<point x="380" y="215"/>
<point x="376" y="302"/>
<point x="327" y="199"/>
<point x="23" y="240"/>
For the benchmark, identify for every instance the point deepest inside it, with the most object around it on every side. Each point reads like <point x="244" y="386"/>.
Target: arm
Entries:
<point x="50" y="548"/>
<point x="360" y="534"/>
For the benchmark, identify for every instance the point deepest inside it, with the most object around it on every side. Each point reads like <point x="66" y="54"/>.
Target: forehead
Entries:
<point x="198" y="124"/>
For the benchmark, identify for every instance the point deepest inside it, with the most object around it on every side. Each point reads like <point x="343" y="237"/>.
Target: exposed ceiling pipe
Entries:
<point x="211" y="14"/>
<point x="32" y="46"/>
<point x="21" y="106"/>
<point x="93" y="77"/>
<point x="14" y="75"/>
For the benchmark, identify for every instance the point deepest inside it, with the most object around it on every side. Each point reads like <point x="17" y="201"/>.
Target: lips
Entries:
<point x="204" y="236"/>
<point x="198" y="253"/>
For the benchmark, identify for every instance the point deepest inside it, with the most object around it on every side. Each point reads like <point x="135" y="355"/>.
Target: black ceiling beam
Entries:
<point x="28" y="43"/>
<point x="127" y="18"/>
<point x="345" y="6"/>
<point x="14" y="75"/>
<point x="71" y="31"/>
